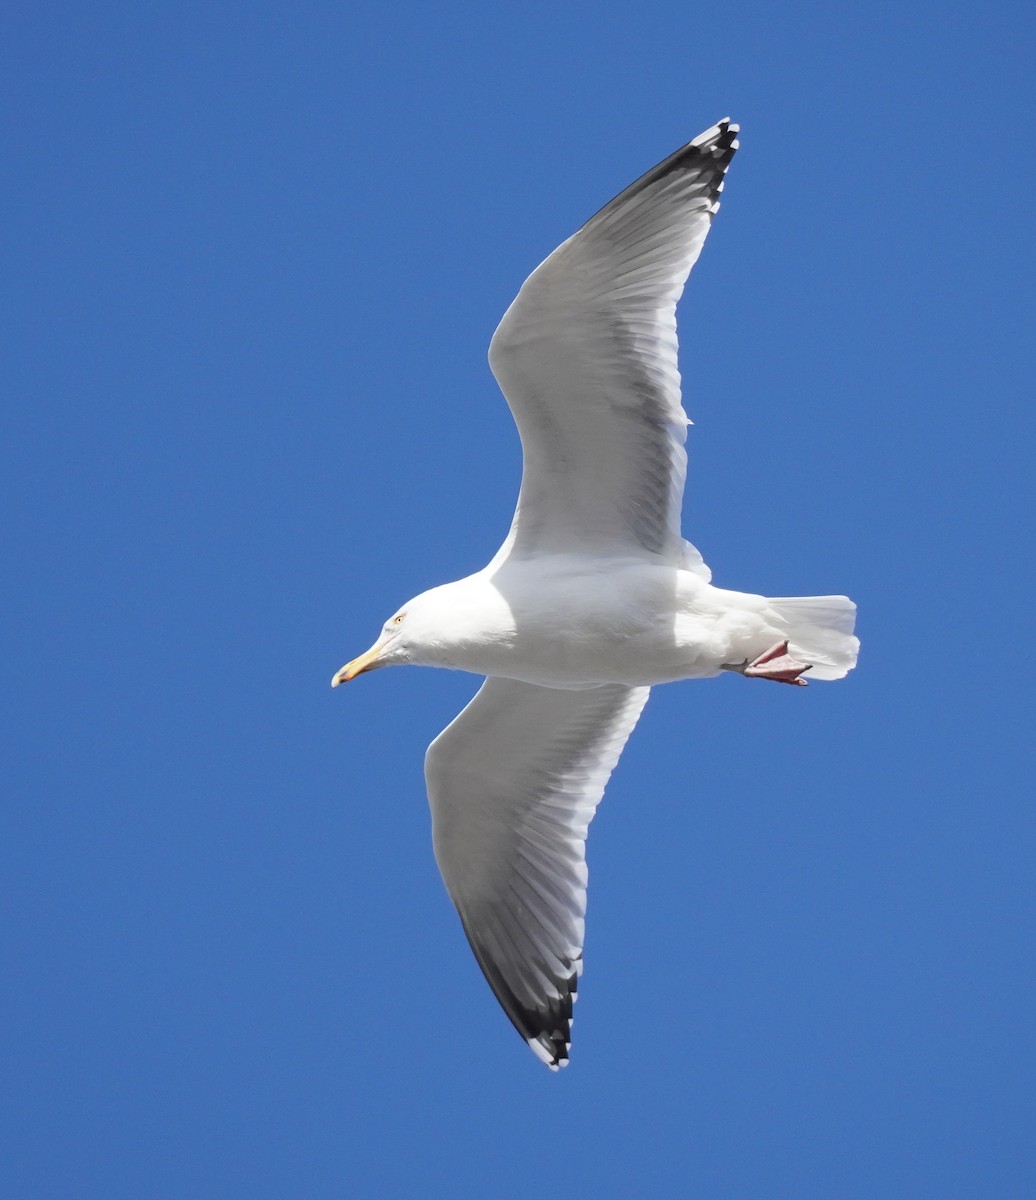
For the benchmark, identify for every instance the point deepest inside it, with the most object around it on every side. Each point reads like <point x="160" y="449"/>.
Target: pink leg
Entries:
<point x="777" y="664"/>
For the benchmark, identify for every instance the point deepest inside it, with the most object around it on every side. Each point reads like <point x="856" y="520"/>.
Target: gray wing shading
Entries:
<point x="513" y="784"/>
<point x="587" y="359"/>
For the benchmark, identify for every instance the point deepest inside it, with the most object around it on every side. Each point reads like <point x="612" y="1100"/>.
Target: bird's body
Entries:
<point x="573" y="621"/>
<point x="594" y="596"/>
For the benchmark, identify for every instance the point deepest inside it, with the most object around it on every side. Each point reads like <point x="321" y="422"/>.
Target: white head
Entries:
<point x="390" y="648"/>
<point x="435" y="629"/>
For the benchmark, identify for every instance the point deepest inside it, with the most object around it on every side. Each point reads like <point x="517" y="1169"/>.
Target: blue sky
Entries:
<point x="253" y="256"/>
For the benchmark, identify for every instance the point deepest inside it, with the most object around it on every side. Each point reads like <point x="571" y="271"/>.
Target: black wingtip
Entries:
<point x="721" y="137"/>
<point x="547" y="1027"/>
<point x="719" y="142"/>
<point x="552" y="1043"/>
<point x="547" y="1030"/>
<point x="709" y="154"/>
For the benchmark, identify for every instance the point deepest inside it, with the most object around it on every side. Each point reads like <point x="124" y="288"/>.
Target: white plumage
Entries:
<point x="594" y="595"/>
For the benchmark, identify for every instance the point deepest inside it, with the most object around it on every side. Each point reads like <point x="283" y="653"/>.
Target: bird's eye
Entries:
<point x="398" y="620"/>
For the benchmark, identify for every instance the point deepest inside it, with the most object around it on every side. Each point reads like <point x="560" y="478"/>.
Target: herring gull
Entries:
<point x="594" y="596"/>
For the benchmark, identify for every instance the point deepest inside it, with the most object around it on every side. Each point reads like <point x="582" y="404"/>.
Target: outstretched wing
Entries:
<point x="586" y="356"/>
<point x="513" y="784"/>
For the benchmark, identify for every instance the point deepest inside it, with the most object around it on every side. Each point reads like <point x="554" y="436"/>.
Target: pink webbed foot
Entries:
<point x="777" y="664"/>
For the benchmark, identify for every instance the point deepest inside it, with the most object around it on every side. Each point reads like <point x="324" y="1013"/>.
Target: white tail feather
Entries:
<point x="820" y="632"/>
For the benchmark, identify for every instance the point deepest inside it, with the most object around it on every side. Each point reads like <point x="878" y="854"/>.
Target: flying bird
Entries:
<point x="593" y="598"/>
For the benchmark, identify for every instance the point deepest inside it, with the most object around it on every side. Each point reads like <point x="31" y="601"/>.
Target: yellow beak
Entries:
<point x="366" y="662"/>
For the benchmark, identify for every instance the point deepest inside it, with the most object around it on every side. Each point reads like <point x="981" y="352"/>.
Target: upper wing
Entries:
<point x="586" y="356"/>
<point x="513" y="784"/>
